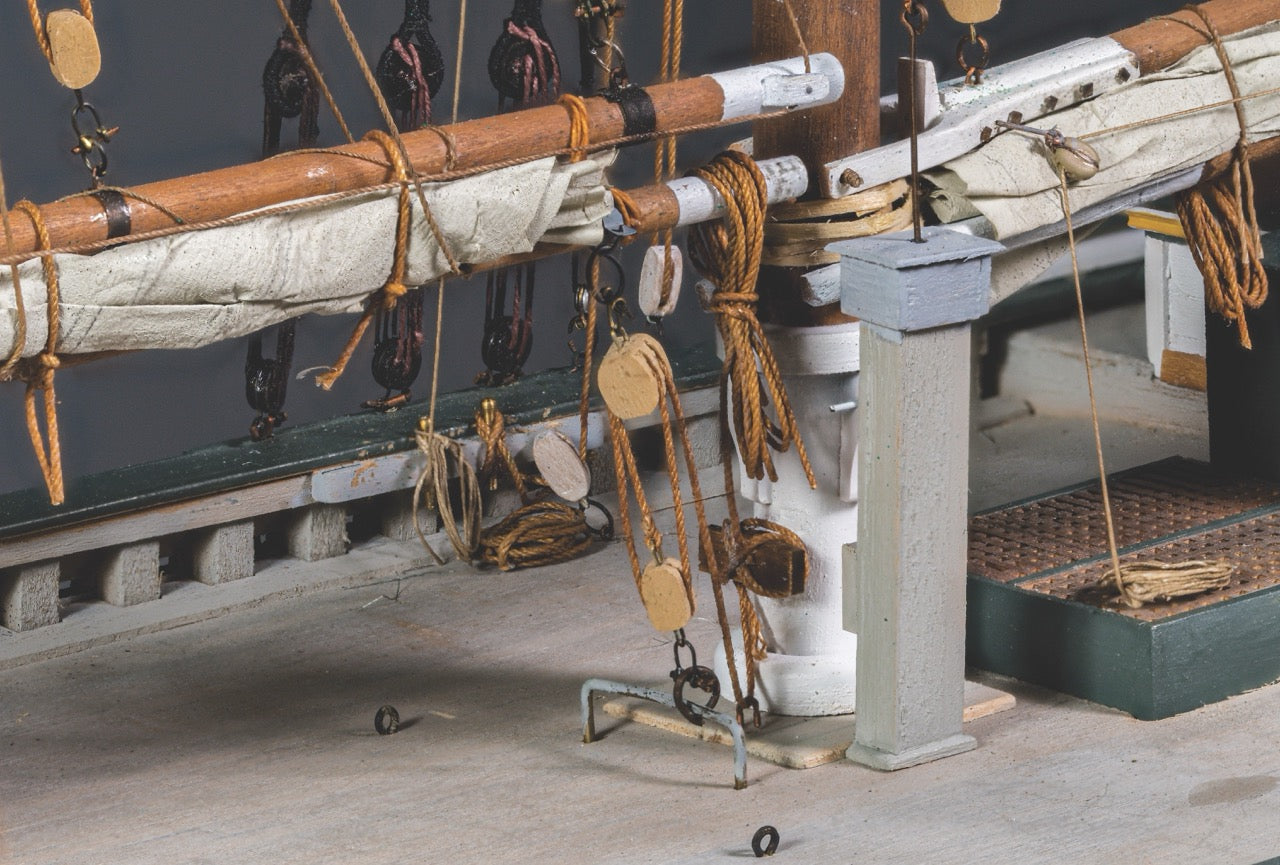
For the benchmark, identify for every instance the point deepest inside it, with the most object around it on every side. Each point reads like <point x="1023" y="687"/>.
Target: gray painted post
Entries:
<point x="318" y="532"/>
<point x="916" y="302"/>
<point x="397" y="516"/>
<point x="131" y="574"/>
<point x="29" y="596"/>
<point x="223" y="553"/>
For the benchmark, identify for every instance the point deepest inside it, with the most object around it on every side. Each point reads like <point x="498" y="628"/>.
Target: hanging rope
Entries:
<point x="728" y="254"/>
<point x="40" y="372"/>
<point x="305" y="52"/>
<point x="1135" y="582"/>
<point x="1219" y="217"/>
<point x="445" y="457"/>
<point x="394" y="288"/>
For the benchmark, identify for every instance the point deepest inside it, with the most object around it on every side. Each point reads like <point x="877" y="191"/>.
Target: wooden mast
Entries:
<point x="850" y="30"/>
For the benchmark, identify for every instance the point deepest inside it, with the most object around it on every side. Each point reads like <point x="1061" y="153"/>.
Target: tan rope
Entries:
<point x="491" y="429"/>
<point x="579" y="125"/>
<point x="48" y="453"/>
<point x="457" y="63"/>
<point x="394" y="288"/>
<point x="541" y="533"/>
<point x="1135" y="582"/>
<point x="799" y="34"/>
<point x="392" y="129"/>
<point x="441" y="454"/>
<point x="427" y="425"/>
<point x="728" y="254"/>
<point x="37" y="24"/>
<point x="310" y="62"/>
<point x="588" y="358"/>
<point x="1219" y="217"/>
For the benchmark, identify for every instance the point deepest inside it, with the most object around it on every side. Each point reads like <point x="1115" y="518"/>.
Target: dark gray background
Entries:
<point x="183" y="81"/>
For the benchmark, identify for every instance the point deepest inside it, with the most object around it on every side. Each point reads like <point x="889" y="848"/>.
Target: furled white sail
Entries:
<point x="192" y="289"/>
<point x="1011" y="183"/>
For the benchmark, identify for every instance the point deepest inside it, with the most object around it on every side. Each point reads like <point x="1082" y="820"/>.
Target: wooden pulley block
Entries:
<point x="665" y="596"/>
<point x="74" y="46"/>
<point x="1078" y="160"/>
<point x="972" y="11"/>
<point x="651" y="281"/>
<point x="561" y="467"/>
<point x="764" y="558"/>
<point x="627" y="379"/>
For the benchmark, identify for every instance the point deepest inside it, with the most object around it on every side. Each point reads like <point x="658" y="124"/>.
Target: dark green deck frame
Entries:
<point x="1150" y="669"/>
<point x="299" y="450"/>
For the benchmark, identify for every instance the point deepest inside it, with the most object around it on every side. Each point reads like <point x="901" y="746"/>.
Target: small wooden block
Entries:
<point x="626" y="379"/>
<point x="131" y="574"/>
<point x="665" y="598"/>
<point x="29" y="596"/>
<point x="74" y="45"/>
<point x="972" y="11"/>
<point x="561" y="467"/>
<point x="650" y="288"/>
<point x="223" y="553"/>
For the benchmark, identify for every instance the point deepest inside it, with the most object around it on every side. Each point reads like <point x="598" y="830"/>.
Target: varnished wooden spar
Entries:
<point x="476" y="144"/>
<point x="1158" y="43"/>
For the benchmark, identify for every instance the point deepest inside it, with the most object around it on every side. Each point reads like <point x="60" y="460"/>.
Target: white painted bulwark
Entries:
<point x="29" y="596"/>
<point x="1174" y="300"/>
<point x="907" y="571"/>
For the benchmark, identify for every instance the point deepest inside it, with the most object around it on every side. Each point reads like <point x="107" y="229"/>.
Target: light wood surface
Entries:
<point x="665" y="598"/>
<point x="74" y="45"/>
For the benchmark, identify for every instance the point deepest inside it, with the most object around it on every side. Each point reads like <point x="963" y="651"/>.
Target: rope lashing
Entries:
<point x="728" y="254"/>
<point x="411" y="68"/>
<point x="39" y="374"/>
<point x="579" y="125"/>
<point x="394" y="288"/>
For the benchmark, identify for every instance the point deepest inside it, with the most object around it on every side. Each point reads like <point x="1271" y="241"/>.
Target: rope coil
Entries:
<point x="728" y="254"/>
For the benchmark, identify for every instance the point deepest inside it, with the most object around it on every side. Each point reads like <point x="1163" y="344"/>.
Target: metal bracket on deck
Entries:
<point x="1018" y="92"/>
<point x="591" y="687"/>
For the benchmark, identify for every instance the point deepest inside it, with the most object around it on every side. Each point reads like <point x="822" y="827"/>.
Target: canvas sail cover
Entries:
<point x="1012" y="183"/>
<point x="193" y="289"/>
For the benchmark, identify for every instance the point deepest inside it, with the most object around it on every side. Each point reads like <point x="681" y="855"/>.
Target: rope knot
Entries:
<point x="393" y="291"/>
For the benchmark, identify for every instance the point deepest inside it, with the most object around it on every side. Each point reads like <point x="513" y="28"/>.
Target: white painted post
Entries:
<point x="29" y="596"/>
<point x="223" y="553"/>
<point x="916" y="302"/>
<point x="811" y="667"/>
<point x="318" y="532"/>
<point x="131" y="574"/>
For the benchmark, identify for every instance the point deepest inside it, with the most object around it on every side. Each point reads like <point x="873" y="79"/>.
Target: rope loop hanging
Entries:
<point x="39" y="372"/>
<point x="394" y="288"/>
<point x="1219" y="217"/>
<point x="445" y="458"/>
<point x="728" y="255"/>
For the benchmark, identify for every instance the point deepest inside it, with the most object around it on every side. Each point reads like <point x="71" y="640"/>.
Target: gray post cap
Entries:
<point x="890" y="281"/>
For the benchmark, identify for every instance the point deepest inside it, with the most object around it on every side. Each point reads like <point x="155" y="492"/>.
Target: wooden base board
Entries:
<point x="796" y="743"/>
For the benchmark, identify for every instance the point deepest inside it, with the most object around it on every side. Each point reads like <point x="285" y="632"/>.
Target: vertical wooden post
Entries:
<point x="850" y="30"/>
<point x="916" y="302"/>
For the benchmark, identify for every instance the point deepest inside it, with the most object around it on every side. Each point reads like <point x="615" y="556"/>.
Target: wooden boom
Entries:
<point x="735" y="96"/>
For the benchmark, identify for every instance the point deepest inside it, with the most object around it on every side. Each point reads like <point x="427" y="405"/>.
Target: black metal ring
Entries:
<point x="702" y="678"/>
<point x="767" y="849"/>
<point x="387" y="721"/>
